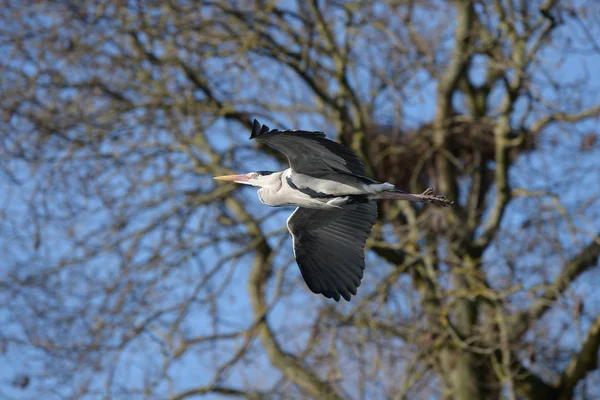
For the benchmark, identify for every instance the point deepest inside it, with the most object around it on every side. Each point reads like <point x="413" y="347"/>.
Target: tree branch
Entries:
<point x="447" y="85"/>
<point x="587" y="258"/>
<point x="503" y="193"/>
<point x="289" y="365"/>
<point x="532" y="386"/>
<point x="584" y="362"/>
<point x="564" y="117"/>
<point x="460" y="59"/>
<point x="223" y="391"/>
<point x="390" y="254"/>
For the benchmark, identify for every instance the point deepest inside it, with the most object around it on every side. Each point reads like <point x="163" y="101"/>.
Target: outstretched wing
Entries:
<point x="309" y="153"/>
<point x="329" y="247"/>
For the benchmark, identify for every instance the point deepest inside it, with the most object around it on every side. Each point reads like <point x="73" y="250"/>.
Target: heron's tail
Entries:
<point x="428" y="196"/>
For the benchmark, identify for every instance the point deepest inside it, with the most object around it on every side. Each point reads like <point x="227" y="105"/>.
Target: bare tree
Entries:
<point x="127" y="273"/>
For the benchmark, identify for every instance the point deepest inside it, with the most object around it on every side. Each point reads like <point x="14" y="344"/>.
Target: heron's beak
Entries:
<point x="235" y="178"/>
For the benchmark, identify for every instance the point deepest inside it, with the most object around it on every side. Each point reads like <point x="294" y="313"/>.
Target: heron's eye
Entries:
<point x="255" y="175"/>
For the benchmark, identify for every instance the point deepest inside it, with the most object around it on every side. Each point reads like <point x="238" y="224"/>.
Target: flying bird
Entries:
<point x="335" y="204"/>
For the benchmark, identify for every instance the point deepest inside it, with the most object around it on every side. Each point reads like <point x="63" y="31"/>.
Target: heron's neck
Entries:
<point x="270" y="185"/>
<point x="271" y="181"/>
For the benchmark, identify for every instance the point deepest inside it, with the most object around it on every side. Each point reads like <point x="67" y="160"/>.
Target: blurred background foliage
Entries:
<point x="128" y="273"/>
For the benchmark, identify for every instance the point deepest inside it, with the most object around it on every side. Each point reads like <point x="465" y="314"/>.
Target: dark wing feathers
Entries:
<point x="257" y="130"/>
<point x="309" y="153"/>
<point x="329" y="247"/>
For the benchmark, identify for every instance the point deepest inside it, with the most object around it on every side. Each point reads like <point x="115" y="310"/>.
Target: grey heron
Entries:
<point x="336" y="207"/>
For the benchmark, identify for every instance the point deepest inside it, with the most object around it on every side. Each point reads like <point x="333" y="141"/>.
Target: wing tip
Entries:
<point x="257" y="129"/>
<point x="337" y="294"/>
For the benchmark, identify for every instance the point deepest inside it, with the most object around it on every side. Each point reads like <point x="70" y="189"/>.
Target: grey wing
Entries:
<point x="310" y="153"/>
<point x="329" y="247"/>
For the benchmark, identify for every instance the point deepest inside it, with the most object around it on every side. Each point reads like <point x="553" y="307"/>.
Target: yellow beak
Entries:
<point x="235" y="178"/>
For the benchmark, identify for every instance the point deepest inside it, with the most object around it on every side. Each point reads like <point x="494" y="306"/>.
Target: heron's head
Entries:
<point x="259" y="178"/>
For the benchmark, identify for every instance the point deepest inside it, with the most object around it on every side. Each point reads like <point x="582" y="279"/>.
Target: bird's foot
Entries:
<point x="430" y="196"/>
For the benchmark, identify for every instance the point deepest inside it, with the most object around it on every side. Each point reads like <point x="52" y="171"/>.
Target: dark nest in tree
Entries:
<point x="405" y="157"/>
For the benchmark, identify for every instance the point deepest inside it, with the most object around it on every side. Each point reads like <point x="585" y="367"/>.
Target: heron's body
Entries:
<point x="287" y="188"/>
<point x="336" y="207"/>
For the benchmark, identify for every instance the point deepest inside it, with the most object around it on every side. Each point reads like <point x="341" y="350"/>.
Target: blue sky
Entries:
<point x="143" y="357"/>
